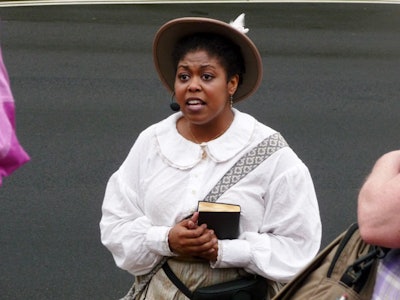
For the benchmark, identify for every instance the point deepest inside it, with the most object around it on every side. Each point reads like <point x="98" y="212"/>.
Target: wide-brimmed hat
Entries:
<point x="171" y="32"/>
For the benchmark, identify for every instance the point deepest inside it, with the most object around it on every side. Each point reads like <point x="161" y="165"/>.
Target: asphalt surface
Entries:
<point x="85" y="86"/>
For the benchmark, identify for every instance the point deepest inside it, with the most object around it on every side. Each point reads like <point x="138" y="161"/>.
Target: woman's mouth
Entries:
<point x="195" y="104"/>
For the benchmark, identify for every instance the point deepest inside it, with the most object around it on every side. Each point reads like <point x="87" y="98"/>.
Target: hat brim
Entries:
<point x="171" y="32"/>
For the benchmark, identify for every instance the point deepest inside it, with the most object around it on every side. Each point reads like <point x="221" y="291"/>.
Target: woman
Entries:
<point x="149" y="209"/>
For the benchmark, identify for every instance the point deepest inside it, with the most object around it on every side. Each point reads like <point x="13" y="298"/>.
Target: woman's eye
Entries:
<point x="207" y="77"/>
<point x="183" y="77"/>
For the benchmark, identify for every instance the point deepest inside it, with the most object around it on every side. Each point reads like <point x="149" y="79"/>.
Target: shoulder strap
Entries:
<point x="345" y="238"/>
<point x="246" y="164"/>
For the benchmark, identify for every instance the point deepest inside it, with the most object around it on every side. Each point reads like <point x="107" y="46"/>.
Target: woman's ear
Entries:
<point x="233" y="84"/>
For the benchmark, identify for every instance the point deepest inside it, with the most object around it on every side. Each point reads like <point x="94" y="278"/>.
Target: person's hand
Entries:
<point x="188" y="239"/>
<point x="379" y="203"/>
<point x="386" y="169"/>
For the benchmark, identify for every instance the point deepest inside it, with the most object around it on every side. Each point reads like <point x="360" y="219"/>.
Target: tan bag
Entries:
<point x="345" y="270"/>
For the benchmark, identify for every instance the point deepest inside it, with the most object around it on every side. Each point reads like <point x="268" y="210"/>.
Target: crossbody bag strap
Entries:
<point x="176" y="281"/>
<point x="240" y="169"/>
<point x="246" y="164"/>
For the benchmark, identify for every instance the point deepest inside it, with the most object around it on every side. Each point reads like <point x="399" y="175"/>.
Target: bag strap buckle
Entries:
<point x="356" y="274"/>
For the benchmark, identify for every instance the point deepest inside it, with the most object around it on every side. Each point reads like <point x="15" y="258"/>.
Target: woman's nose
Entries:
<point x="194" y="84"/>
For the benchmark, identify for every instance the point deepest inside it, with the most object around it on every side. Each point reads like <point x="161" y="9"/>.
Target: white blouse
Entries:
<point x="164" y="177"/>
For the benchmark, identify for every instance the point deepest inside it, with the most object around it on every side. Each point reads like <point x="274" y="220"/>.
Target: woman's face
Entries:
<point x="202" y="89"/>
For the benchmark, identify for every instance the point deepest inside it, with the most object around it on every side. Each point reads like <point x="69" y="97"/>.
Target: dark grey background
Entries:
<point x="85" y="86"/>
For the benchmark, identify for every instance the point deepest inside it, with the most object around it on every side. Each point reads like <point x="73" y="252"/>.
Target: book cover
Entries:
<point x="223" y="218"/>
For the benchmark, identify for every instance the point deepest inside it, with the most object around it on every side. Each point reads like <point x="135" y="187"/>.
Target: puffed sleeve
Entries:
<point x="290" y="232"/>
<point x="125" y="230"/>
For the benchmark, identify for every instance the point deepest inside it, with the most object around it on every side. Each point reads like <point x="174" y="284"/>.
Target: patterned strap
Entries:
<point x="240" y="169"/>
<point x="246" y="164"/>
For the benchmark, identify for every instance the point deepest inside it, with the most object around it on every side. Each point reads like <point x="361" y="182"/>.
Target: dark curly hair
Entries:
<point x="227" y="52"/>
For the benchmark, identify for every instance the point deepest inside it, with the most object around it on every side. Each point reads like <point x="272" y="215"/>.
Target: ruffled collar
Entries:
<point x="184" y="154"/>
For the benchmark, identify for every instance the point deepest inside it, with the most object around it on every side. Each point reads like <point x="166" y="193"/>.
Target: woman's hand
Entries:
<point x="188" y="239"/>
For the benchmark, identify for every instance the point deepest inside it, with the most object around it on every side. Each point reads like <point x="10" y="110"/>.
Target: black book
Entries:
<point x="223" y="218"/>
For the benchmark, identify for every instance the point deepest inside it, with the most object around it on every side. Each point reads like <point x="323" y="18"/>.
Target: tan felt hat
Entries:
<point x="171" y="32"/>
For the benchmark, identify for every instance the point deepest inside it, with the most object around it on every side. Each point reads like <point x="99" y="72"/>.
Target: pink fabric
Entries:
<point x="12" y="155"/>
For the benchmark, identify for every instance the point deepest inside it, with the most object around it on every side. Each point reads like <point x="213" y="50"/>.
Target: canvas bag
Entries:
<point x="344" y="270"/>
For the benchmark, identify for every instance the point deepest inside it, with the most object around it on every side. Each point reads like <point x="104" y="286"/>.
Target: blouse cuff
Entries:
<point x="232" y="254"/>
<point x="157" y="240"/>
